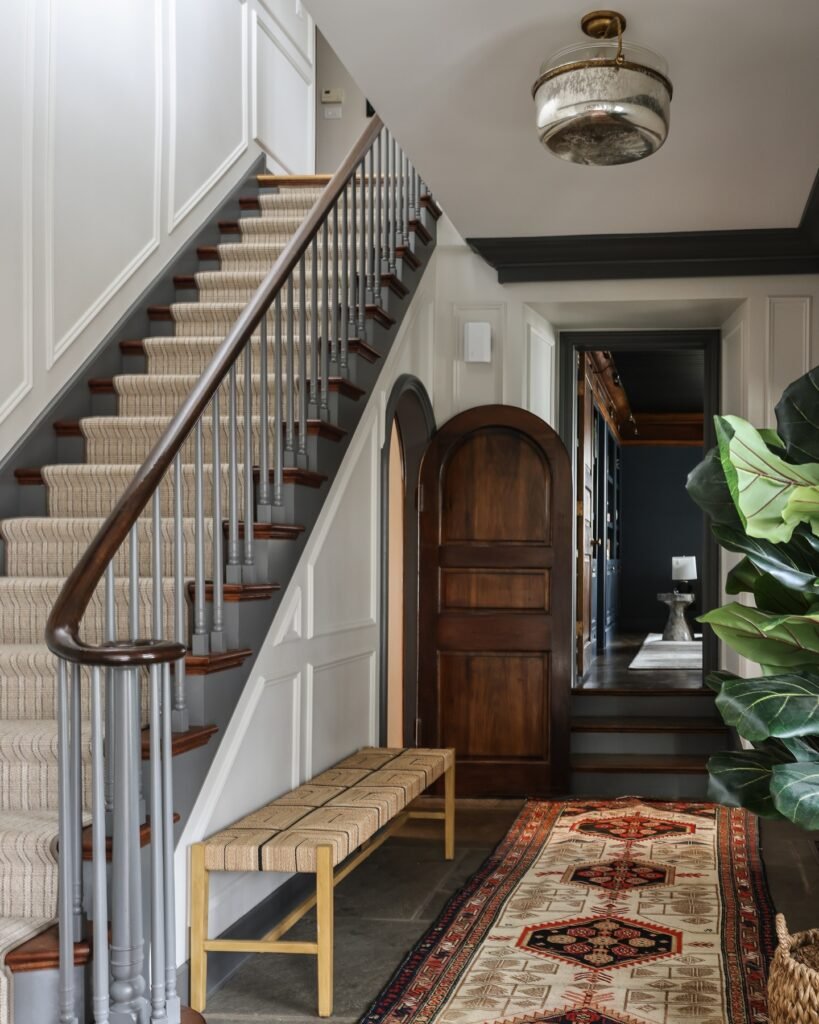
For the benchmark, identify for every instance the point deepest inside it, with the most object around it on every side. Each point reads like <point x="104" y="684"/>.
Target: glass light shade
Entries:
<point x="683" y="567"/>
<point x="590" y="109"/>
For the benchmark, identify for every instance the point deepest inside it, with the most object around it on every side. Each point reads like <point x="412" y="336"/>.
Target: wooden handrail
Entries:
<point x="62" y="628"/>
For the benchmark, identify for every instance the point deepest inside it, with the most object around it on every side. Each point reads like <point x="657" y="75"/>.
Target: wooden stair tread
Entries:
<point x="356" y="346"/>
<point x="181" y="742"/>
<point x="42" y="953"/>
<point x="404" y="253"/>
<point x="144" y="839"/>
<point x="216" y="661"/>
<point x="292" y="180"/>
<point x="641" y="763"/>
<point x="646" y="723"/>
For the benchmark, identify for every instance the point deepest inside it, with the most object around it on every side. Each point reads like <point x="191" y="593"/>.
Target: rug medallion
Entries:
<point x="589" y="912"/>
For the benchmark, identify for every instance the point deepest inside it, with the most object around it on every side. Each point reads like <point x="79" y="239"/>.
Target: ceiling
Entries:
<point x="453" y="81"/>
<point x="662" y="381"/>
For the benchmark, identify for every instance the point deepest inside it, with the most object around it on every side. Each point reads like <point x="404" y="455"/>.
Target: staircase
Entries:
<point x="651" y="742"/>
<point x="199" y="567"/>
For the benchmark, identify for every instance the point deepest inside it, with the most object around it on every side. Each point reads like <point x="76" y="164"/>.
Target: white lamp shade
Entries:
<point x="683" y="567"/>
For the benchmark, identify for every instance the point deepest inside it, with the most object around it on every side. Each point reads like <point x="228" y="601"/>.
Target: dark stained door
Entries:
<point x="495" y="615"/>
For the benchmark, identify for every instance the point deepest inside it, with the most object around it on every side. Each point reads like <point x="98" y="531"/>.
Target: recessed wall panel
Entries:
<point x="281" y="76"/>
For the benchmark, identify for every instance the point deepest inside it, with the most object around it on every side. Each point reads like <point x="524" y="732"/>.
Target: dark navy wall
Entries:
<point x="658" y="520"/>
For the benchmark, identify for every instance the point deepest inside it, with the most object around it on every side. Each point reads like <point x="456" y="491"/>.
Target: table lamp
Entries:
<point x="683" y="571"/>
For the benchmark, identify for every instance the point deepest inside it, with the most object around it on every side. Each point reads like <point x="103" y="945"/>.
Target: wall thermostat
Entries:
<point x="332" y="95"/>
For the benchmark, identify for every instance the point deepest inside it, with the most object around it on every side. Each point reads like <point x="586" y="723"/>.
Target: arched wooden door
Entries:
<point x="495" y="596"/>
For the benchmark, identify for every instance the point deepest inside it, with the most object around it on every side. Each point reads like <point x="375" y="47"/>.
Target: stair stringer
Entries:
<point x="312" y="693"/>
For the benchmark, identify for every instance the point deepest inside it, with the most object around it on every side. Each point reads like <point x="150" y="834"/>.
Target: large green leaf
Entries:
<point x="771" y="596"/>
<point x="707" y="487"/>
<point x="803" y="507"/>
<point x="742" y="778"/>
<point x="797" y="416"/>
<point x="741" y="579"/>
<point x="717" y="679"/>
<point x="778" y="641"/>
<point x="781" y="706"/>
<point x="760" y="482"/>
<point x="794" y="565"/>
<point x="795" y="792"/>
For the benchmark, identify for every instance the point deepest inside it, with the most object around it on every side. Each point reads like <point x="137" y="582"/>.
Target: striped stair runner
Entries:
<point x="41" y="552"/>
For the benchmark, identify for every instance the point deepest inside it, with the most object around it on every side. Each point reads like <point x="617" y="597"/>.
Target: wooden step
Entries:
<point x="42" y="953"/>
<point x="640" y="723"/>
<point x="292" y="180"/>
<point x="405" y="253"/>
<point x="336" y="385"/>
<point x="355" y="346"/>
<point x="701" y="692"/>
<point x="164" y="314"/>
<point x="216" y="661"/>
<point x="429" y="204"/>
<point x="680" y="764"/>
<point x="144" y="839"/>
<point x="33" y="476"/>
<point x="239" y="593"/>
<point x="420" y="230"/>
<point x="315" y="428"/>
<point x="181" y="742"/>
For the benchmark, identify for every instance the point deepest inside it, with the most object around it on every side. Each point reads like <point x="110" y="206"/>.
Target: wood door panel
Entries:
<point x="494" y="705"/>
<point x="522" y="478"/>
<point x="498" y="631"/>
<point x="494" y="591"/>
<point x="495" y="614"/>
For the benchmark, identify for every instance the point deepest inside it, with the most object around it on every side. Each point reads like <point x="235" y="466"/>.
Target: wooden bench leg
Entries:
<point x="324" y="920"/>
<point x="449" y="812"/>
<point x="199" y="927"/>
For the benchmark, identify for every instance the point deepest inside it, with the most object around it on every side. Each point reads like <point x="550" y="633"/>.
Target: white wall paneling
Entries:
<point x="208" y="99"/>
<point x="788" y="345"/>
<point x="129" y="123"/>
<point x="344" y="702"/>
<point x="280" y="72"/>
<point x="105" y="98"/>
<point x="16" y="205"/>
<point x="539" y="366"/>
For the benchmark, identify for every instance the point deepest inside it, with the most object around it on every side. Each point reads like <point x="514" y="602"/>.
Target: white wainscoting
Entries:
<point x="325" y="635"/>
<point x="129" y="123"/>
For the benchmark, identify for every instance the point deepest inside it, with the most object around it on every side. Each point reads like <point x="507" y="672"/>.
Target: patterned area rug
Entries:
<point x="589" y="912"/>
<point x="668" y="654"/>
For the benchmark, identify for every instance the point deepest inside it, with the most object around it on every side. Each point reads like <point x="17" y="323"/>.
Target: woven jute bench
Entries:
<point x="326" y="827"/>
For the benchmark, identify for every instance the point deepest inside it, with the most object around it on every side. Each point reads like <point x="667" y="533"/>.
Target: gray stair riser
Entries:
<point x="662" y="786"/>
<point x="648" y="743"/>
<point x="648" y="705"/>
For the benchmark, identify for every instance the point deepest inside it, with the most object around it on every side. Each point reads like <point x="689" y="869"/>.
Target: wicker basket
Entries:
<point x="793" y="982"/>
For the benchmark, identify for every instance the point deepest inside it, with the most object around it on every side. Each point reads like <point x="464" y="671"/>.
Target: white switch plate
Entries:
<point x="332" y="113"/>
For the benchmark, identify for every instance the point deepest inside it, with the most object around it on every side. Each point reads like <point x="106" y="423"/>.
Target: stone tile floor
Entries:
<point x="386" y="905"/>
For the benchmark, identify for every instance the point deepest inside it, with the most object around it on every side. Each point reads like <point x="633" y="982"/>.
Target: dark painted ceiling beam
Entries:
<point x="671" y="254"/>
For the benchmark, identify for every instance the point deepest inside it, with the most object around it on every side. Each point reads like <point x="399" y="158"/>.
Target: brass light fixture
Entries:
<point x="604" y="102"/>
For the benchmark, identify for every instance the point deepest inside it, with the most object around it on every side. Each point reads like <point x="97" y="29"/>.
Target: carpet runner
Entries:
<point x="590" y="912"/>
<point x="41" y="552"/>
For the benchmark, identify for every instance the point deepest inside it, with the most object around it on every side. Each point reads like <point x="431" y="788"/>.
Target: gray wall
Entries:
<point x="658" y="520"/>
<point x="335" y="138"/>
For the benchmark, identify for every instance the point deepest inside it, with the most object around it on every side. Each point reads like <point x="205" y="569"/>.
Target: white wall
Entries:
<point x="124" y="126"/>
<point x="312" y="694"/>
<point x="336" y="135"/>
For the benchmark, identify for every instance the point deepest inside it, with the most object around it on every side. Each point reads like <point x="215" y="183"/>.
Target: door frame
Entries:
<point x="416" y="430"/>
<point x="709" y="341"/>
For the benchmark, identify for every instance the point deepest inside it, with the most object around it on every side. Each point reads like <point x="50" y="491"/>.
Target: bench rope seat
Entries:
<point x="326" y="827"/>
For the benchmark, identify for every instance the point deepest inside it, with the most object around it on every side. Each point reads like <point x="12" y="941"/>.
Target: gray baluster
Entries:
<point x="180" y="716"/>
<point x="110" y="635"/>
<point x="277" y="407"/>
<point x="234" y="568"/>
<point x="133" y="582"/>
<point x="99" y="866"/>
<point x="67" y="847"/>
<point x="290" y="411"/>
<point x="200" y="640"/>
<point x="338" y="314"/>
<point x="76" y="795"/>
<point x="314" y="329"/>
<point x="217" y="611"/>
<point x="302" y="388"/>
<point x="371" y="288"/>
<point x="345" y="277"/>
<point x="157" y="852"/>
<point x="324" y="405"/>
<point x="354" y="318"/>
<point x="248" y="566"/>
<point x="362" y="256"/>
<point x="404" y="199"/>
<point x="172" y="1001"/>
<point x="263" y="507"/>
<point x="128" y="1002"/>
<point x="411" y="197"/>
<point x="391" y="207"/>
<point x="378" y="188"/>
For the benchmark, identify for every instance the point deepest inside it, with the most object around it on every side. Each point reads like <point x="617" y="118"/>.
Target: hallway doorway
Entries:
<point x="408" y="427"/>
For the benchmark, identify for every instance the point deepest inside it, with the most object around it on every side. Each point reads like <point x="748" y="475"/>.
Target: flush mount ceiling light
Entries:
<point x="604" y="102"/>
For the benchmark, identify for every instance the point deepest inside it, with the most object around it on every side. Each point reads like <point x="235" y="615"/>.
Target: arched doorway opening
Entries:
<point x="409" y="426"/>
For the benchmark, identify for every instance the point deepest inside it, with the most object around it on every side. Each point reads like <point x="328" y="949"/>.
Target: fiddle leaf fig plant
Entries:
<point x="760" y="489"/>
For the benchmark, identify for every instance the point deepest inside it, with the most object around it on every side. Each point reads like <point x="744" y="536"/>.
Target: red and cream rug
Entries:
<point x="590" y="912"/>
